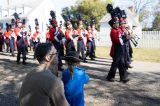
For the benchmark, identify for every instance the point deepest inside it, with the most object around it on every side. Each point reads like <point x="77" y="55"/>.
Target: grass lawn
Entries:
<point x="152" y="55"/>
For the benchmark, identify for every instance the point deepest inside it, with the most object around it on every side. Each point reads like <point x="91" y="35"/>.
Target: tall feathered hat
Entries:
<point x="53" y="19"/>
<point x="23" y="21"/>
<point x="36" y="23"/>
<point x="87" y="24"/>
<point x="68" y="18"/>
<point x="93" y="21"/>
<point x="116" y="14"/>
<point x="13" y="23"/>
<point x="16" y="16"/>
<point x="79" y="19"/>
<point x="8" y="26"/>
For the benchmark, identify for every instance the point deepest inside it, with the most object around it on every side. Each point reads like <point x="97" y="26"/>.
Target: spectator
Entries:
<point x="74" y="79"/>
<point x="42" y="87"/>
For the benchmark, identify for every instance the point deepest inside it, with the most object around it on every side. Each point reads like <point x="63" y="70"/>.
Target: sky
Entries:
<point x="66" y="3"/>
<point x="59" y="3"/>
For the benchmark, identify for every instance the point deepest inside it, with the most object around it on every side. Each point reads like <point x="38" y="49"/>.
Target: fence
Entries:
<point x="150" y="39"/>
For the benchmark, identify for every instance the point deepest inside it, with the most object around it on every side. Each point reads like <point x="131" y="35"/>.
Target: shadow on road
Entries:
<point x="12" y="75"/>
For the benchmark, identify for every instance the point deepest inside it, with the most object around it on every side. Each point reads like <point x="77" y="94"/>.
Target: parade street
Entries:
<point x="143" y="89"/>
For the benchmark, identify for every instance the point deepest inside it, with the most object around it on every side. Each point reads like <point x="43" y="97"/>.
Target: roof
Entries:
<point x="32" y="4"/>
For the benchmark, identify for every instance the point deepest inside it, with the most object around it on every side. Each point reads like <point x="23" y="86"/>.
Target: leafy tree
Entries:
<point x="141" y="8"/>
<point x="156" y="21"/>
<point x="141" y="5"/>
<point x="89" y="9"/>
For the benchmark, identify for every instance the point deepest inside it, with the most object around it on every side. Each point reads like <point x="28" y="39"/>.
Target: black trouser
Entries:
<point x="58" y="47"/>
<point x="70" y="46"/>
<point x="81" y="48"/>
<point x="126" y="54"/>
<point x="118" y="62"/>
<point x="7" y="44"/>
<point x="90" y="49"/>
<point x="31" y="44"/>
<point x="12" y="45"/>
<point x="21" y="50"/>
<point x="1" y="47"/>
<point x="94" y="47"/>
<point x="61" y="50"/>
<point x="35" y="44"/>
<point x="130" y="50"/>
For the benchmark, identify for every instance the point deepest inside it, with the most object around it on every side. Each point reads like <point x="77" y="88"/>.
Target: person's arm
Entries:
<point x="85" y="77"/>
<point x="58" y="97"/>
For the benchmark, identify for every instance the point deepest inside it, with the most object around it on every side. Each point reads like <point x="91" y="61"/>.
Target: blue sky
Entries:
<point x="61" y="3"/>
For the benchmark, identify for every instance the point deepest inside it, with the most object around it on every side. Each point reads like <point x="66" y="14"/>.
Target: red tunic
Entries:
<point x="67" y="33"/>
<point x="17" y="30"/>
<point x="115" y="34"/>
<point x="6" y="35"/>
<point x="47" y="35"/>
<point x="35" y="35"/>
<point x="51" y="33"/>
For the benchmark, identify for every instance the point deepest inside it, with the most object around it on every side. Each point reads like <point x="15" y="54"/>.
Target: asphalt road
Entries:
<point x="143" y="89"/>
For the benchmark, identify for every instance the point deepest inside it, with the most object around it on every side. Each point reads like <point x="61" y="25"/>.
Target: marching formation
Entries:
<point x="59" y="43"/>
<point x="18" y="37"/>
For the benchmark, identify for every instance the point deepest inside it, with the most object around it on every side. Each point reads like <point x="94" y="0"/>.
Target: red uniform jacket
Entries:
<point x="67" y="33"/>
<point x="89" y="36"/>
<point x="17" y="30"/>
<point x="35" y="35"/>
<point x="115" y="34"/>
<point x="51" y="33"/>
<point x="47" y="35"/>
<point x="79" y="31"/>
<point x="6" y="34"/>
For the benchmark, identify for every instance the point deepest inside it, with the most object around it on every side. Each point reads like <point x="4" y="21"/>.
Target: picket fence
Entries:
<point x="149" y="39"/>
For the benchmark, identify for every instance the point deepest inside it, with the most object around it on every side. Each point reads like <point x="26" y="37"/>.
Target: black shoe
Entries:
<point x="129" y="66"/>
<point x="92" y="59"/>
<point x="124" y="81"/>
<point x="24" y="63"/>
<point x="13" y="55"/>
<point x="84" y="61"/>
<point x="80" y="58"/>
<point x="94" y="56"/>
<point x="110" y="80"/>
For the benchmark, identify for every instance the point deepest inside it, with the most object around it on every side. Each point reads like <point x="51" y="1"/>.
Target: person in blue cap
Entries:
<point x="74" y="78"/>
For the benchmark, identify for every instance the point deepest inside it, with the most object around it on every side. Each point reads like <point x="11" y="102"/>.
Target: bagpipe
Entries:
<point x="117" y="12"/>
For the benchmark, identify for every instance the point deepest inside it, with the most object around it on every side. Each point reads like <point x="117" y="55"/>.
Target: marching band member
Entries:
<point x="80" y="41"/>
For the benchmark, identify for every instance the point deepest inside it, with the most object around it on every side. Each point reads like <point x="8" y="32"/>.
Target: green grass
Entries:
<point x="152" y="55"/>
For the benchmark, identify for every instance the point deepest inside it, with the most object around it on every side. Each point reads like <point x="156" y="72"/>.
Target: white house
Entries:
<point x="132" y="19"/>
<point x="29" y="10"/>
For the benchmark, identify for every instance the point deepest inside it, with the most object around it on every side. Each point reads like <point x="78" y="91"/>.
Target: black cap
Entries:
<point x="72" y="56"/>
